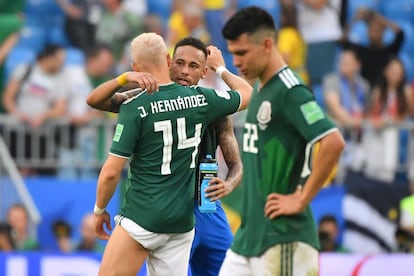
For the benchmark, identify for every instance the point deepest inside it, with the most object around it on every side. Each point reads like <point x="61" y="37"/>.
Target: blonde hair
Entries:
<point x="148" y="49"/>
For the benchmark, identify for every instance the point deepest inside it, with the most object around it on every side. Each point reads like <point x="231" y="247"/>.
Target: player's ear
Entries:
<point x="204" y="72"/>
<point x="169" y="60"/>
<point x="135" y="67"/>
<point x="268" y="43"/>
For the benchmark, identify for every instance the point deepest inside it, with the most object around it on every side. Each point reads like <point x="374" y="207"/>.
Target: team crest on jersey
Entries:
<point x="264" y="114"/>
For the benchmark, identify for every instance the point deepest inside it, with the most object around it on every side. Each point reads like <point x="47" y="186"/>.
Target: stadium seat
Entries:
<point x="33" y="37"/>
<point x="408" y="62"/>
<point x="161" y="8"/>
<point x="358" y="33"/>
<point x="57" y="35"/>
<point x="354" y="5"/>
<point x="398" y="10"/>
<point x="18" y="56"/>
<point x="271" y="6"/>
<point x="74" y="56"/>
<point x="408" y="43"/>
<point x="43" y="13"/>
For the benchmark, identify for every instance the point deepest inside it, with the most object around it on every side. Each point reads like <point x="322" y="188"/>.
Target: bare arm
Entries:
<point x="228" y="145"/>
<point x="331" y="147"/>
<point x="105" y="96"/>
<point x="107" y="181"/>
<point x="215" y="60"/>
<point x="388" y="23"/>
<point x="69" y="9"/>
<point x="9" y="96"/>
<point x="230" y="148"/>
<point x="340" y="114"/>
<point x="7" y="45"/>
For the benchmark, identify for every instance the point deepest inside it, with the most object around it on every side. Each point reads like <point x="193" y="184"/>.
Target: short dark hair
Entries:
<point x="49" y="50"/>
<point x="95" y="50"/>
<point x="328" y="218"/>
<point x="194" y="42"/>
<point x="248" y="20"/>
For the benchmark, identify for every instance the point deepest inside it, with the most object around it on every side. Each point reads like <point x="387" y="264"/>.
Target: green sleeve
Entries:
<point x="126" y="131"/>
<point x="221" y="103"/>
<point x="305" y="114"/>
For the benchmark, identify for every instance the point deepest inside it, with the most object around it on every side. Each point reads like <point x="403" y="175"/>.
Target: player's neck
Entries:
<point x="276" y="63"/>
<point x="162" y="77"/>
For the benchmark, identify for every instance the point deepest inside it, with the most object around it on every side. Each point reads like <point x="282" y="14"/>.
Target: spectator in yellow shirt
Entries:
<point x="186" y="20"/>
<point x="291" y="44"/>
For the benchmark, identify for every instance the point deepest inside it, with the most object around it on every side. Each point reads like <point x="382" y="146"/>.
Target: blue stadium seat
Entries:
<point x="74" y="56"/>
<point x="354" y="5"/>
<point x="33" y="37"/>
<point x="398" y="9"/>
<point x="318" y="93"/>
<point x="408" y="43"/>
<point x="408" y="62"/>
<point x="161" y="8"/>
<point x="18" y="56"/>
<point x="358" y="33"/>
<point x="57" y="35"/>
<point x="43" y="13"/>
<point x="269" y="5"/>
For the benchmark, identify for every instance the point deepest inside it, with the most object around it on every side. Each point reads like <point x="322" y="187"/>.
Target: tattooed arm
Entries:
<point x="229" y="146"/>
<point x="107" y="97"/>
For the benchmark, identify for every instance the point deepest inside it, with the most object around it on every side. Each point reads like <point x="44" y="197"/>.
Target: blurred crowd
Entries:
<point x="357" y="55"/>
<point x="15" y="234"/>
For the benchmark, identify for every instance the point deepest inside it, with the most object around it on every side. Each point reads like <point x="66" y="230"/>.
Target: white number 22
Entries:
<point x="250" y="137"/>
<point x="183" y="141"/>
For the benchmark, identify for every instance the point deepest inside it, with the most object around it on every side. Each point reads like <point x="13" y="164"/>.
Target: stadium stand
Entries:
<point x="398" y="10"/>
<point x="354" y="5"/>
<point x="19" y="55"/>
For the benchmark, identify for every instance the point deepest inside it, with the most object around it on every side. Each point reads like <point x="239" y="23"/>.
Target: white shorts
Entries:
<point x="287" y="259"/>
<point x="169" y="254"/>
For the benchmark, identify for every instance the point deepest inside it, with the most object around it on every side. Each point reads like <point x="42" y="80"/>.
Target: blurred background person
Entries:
<point x="391" y="99"/>
<point x="82" y="146"/>
<point x="346" y="95"/>
<point x="34" y="94"/>
<point x="376" y="54"/>
<point x="18" y="219"/>
<point x="346" y="92"/>
<point x="63" y="232"/>
<point x="319" y="24"/>
<point x="6" y="238"/>
<point x="40" y="86"/>
<point x="329" y="233"/>
<point x="116" y="28"/>
<point x="88" y="240"/>
<point x="187" y="19"/>
<point x="385" y="146"/>
<point x="81" y="18"/>
<point x="290" y="41"/>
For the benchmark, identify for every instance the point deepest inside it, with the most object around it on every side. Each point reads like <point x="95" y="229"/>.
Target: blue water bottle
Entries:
<point x="208" y="170"/>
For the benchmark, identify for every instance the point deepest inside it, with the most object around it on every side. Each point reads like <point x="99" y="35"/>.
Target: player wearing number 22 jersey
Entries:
<point x="168" y="126"/>
<point x="282" y="123"/>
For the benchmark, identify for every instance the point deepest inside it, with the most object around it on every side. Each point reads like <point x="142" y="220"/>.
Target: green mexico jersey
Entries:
<point x="283" y="121"/>
<point x="160" y="133"/>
